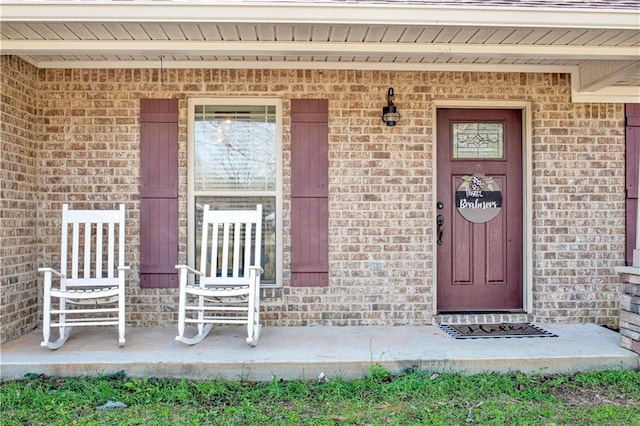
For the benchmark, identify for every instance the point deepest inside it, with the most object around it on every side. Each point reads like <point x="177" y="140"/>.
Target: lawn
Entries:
<point x="380" y="398"/>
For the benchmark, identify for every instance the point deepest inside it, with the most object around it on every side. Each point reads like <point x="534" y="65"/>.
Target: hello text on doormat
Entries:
<point x="488" y="331"/>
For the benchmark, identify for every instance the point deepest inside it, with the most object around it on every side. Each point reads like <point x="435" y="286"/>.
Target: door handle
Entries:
<point x="440" y="222"/>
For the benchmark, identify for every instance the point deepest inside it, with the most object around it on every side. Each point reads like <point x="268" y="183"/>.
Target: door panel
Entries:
<point x="495" y="248"/>
<point x="495" y="254"/>
<point x="480" y="261"/>
<point x="632" y="167"/>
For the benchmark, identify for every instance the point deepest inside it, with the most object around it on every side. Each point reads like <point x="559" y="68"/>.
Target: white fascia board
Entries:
<point x="140" y="47"/>
<point x="317" y="13"/>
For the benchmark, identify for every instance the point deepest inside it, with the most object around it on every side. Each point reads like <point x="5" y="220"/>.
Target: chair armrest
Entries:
<point x="52" y="271"/>
<point x="188" y="269"/>
<point x="124" y="268"/>
<point x="257" y="268"/>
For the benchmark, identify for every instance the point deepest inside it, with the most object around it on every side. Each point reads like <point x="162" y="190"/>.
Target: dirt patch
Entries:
<point x="585" y="397"/>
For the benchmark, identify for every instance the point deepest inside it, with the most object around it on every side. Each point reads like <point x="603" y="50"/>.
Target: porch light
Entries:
<point x="390" y="114"/>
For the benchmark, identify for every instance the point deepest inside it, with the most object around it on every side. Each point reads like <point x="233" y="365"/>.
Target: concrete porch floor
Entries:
<point x="305" y="352"/>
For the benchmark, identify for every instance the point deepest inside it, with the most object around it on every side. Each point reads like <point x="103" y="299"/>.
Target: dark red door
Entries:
<point x="480" y="208"/>
<point x="632" y="167"/>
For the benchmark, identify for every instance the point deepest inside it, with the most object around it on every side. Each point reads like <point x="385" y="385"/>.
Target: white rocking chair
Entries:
<point x="226" y="289"/>
<point x="92" y="294"/>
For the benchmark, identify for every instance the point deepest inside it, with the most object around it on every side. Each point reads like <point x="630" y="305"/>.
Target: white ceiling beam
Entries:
<point x="141" y="47"/>
<point x="317" y="13"/>
<point x="611" y="94"/>
<point x="295" y="64"/>
<point x="596" y="75"/>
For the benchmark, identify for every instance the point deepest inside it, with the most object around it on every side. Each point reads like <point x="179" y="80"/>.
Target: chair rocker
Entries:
<point x="92" y="294"/>
<point x="226" y="289"/>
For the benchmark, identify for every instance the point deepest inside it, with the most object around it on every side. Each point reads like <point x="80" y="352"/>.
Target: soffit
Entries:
<point x="597" y="41"/>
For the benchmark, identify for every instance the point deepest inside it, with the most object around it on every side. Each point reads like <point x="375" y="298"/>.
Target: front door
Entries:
<point x="479" y="223"/>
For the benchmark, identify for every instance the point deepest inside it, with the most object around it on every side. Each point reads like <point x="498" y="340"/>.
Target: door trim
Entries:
<point x="527" y="184"/>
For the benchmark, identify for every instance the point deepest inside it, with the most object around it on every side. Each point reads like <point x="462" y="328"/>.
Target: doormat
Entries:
<point x="488" y="331"/>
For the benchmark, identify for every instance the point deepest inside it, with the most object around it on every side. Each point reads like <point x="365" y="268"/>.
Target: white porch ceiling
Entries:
<point x="599" y="46"/>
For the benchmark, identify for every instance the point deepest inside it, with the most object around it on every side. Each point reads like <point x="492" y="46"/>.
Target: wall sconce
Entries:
<point x="390" y="114"/>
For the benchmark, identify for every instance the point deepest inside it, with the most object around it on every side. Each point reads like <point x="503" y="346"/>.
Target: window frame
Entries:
<point x="192" y="193"/>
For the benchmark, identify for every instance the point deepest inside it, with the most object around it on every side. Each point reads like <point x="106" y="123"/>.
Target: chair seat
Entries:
<point x="219" y="291"/>
<point x="97" y="295"/>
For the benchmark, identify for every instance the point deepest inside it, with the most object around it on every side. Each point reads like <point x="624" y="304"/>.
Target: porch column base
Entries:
<point x="630" y="308"/>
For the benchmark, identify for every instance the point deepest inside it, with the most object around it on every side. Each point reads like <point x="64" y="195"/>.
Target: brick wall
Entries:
<point x="578" y="212"/>
<point x="18" y="198"/>
<point x="381" y="184"/>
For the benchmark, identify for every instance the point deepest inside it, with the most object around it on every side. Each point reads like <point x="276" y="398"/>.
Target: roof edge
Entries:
<point x="318" y="13"/>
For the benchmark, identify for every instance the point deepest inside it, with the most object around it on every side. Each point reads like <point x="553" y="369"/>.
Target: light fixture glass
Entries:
<point x="390" y="114"/>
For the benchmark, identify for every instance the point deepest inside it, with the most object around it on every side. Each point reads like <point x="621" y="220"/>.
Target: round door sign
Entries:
<point x="478" y="198"/>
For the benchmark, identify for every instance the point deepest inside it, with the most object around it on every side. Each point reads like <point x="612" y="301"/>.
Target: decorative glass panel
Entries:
<point x="478" y="140"/>
<point x="235" y="147"/>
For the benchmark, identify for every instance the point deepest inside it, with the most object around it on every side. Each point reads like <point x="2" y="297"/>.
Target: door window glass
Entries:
<point x="478" y="140"/>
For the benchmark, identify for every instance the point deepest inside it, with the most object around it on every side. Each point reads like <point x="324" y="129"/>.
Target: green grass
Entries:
<point x="380" y="398"/>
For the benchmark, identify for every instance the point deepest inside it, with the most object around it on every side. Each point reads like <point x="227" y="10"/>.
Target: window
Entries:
<point x="234" y="163"/>
<point x="478" y="140"/>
